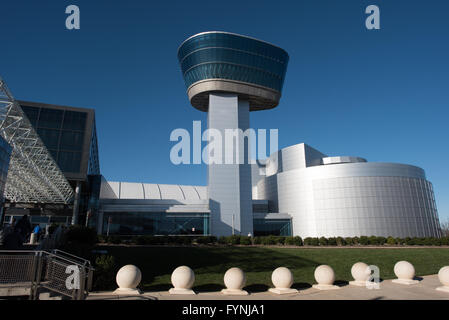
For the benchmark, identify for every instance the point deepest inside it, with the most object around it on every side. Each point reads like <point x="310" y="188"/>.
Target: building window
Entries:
<point x="50" y="118"/>
<point x="71" y="140"/>
<point x="155" y="223"/>
<point x="275" y="227"/>
<point x="69" y="161"/>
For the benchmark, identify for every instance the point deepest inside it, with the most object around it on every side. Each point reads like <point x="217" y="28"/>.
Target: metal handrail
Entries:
<point x="88" y="272"/>
<point x="60" y="252"/>
<point x="39" y="270"/>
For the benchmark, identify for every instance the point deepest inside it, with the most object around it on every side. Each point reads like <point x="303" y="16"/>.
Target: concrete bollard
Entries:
<point x="405" y="272"/>
<point x="234" y="280"/>
<point x="360" y="272"/>
<point x="182" y="279"/>
<point x="325" y="276"/>
<point x="33" y="238"/>
<point x="282" y="279"/>
<point x="128" y="278"/>
<point x="443" y="276"/>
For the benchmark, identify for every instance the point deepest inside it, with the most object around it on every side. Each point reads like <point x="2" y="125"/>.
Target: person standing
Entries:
<point x="23" y="227"/>
<point x="37" y="230"/>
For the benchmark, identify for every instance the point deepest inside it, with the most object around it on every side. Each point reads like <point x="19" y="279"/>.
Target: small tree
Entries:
<point x="245" y="240"/>
<point x="311" y="241"/>
<point x="323" y="241"/>
<point x="297" y="241"/>
<point x="332" y="241"/>
<point x="349" y="241"/>
<point x="364" y="240"/>
<point x="104" y="274"/>
<point x="341" y="241"/>
<point x="391" y="241"/>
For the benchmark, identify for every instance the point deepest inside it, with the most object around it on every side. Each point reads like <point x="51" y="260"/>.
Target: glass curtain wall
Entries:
<point x="155" y="223"/>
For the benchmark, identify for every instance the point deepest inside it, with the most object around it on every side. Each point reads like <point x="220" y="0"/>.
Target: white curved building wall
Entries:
<point x="353" y="199"/>
<point x="293" y="157"/>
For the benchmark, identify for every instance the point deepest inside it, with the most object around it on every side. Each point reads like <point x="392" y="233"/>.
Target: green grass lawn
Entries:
<point x="210" y="263"/>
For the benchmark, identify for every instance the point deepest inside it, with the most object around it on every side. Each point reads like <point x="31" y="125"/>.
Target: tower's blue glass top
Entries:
<point x="221" y="55"/>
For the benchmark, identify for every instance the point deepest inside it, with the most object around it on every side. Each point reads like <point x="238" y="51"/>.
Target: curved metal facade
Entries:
<point x="221" y="61"/>
<point x="353" y="199"/>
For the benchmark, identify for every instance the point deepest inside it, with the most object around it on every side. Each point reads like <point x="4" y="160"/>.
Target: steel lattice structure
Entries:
<point x="33" y="175"/>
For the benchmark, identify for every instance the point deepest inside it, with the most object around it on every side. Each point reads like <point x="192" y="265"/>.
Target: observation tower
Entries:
<point x="228" y="75"/>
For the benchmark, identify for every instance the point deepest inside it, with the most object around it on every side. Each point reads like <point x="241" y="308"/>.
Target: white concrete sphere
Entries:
<point x="324" y="274"/>
<point x="360" y="271"/>
<point x="443" y="275"/>
<point x="183" y="278"/>
<point x="282" y="278"/>
<point x="128" y="277"/>
<point x="404" y="270"/>
<point x="235" y="279"/>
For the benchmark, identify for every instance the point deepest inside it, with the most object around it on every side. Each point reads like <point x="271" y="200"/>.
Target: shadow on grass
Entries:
<point x="254" y="288"/>
<point x="210" y="287"/>
<point x="157" y="287"/>
<point x="204" y="260"/>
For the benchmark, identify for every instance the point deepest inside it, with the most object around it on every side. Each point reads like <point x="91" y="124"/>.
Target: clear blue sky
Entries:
<point x="382" y="95"/>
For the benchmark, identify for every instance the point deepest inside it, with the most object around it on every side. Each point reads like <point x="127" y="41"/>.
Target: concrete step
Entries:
<point x="50" y="296"/>
<point x="15" y="289"/>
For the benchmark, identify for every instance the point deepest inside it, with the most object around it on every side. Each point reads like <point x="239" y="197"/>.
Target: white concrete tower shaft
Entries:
<point x="229" y="185"/>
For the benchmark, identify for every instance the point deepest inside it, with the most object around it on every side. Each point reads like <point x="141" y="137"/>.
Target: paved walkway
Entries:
<point x="424" y="290"/>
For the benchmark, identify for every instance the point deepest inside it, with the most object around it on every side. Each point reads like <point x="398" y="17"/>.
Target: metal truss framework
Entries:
<point x="33" y="175"/>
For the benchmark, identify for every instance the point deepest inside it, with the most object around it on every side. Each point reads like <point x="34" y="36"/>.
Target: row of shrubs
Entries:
<point x="274" y="240"/>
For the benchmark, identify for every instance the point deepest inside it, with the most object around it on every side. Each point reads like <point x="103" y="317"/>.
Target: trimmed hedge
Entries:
<point x="274" y="240"/>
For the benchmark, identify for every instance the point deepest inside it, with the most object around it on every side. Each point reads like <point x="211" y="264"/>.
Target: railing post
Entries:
<point x="90" y="279"/>
<point x="33" y="276"/>
<point x="36" y="275"/>
<point x="82" y="284"/>
<point x="39" y="272"/>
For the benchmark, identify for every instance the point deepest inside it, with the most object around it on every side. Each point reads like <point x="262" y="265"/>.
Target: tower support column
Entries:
<point x="229" y="185"/>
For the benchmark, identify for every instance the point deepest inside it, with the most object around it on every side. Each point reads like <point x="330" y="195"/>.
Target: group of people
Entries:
<point x="18" y="232"/>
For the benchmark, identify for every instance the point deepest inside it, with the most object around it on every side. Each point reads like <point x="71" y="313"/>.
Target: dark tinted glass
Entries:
<point x="277" y="227"/>
<point x="50" y="137"/>
<point x="54" y="153"/>
<point x="5" y="153"/>
<point x="31" y="113"/>
<point x="74" y="120"/>
<point x="227" y="40"/>
<point x="233" y="57"/>
<point x="50" y="118"/>
<point x="71" y="140"/>
<point x="69" y="161"/>
<point x="154" y="223"/>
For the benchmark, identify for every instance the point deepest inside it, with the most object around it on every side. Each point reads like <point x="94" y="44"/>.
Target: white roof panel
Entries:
<point x="137" y="190"/>
<point x="152" y="191"/>
<point x="171" y="191"/>
<point x="129" y="190"/>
